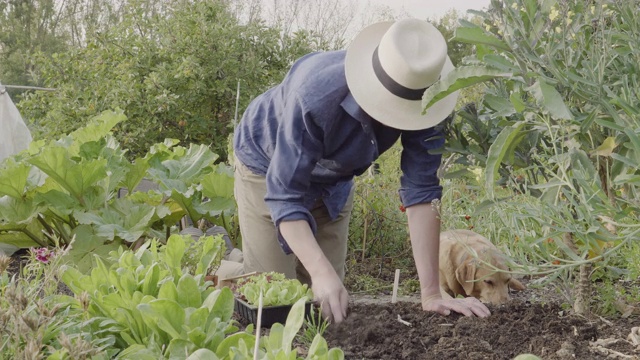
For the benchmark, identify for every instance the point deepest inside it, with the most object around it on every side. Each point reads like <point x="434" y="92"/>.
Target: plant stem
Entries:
<point x="583" y="290"/>
<point x="45" y="224"/>
<point x="60" y="227"/>
<point x="34" y="238"/>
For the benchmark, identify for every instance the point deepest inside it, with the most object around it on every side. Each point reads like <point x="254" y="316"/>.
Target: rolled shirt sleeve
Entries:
<point x="420" y="160"/>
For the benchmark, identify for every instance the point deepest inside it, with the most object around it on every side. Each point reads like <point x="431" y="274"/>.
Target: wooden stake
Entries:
<point x="396" y="280"/>
<point x="366" y="220"/>
<point x="258" y="325"/>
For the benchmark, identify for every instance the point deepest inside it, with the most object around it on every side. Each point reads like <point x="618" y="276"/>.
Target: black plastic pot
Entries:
<point x="270" y="314"/>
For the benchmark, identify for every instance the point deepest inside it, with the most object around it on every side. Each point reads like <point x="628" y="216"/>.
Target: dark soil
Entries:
<point x="19" y="259"/>
<point x="373" y="331"/>
<point x="534" y="322"/>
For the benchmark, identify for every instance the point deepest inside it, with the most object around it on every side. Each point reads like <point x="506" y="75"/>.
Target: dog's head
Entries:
<point x="486" y="277"/>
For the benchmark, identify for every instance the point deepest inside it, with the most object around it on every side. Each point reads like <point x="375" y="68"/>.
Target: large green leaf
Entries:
<point x="219" y="183"/>
<point x="137" y="171"/>
<point x="15" y="212"/>
<point x="189" y="292"/>
<point x="168" y="211"/>
<point x="75" y="177"/>
<point x="26" y="217"/>
<point x="500" y="105"/>
<point x="179" y="348"/>
<point x="476" y="35"/>
<point x="293" y="323"/>
<point x="622" y="179"/>
<point x="152" y="277"/>
<point x="182" y="169"/>
<point x="457" y="79"/>
<point x="237" y="340"/>
<point x="203" y="354"/>
<point x="174" y="252"/>
<point x="58" y="202"/>
<point x="168" y="290"/>
<point x="167" y="314"/>
<point x="197" y="319"/>
<point x="497" y="152"/>
<point x="194" y="163"/>
<point x="632" y="163"/>
<point x="98" y="127"/>
<point x="500" y="62"/>
<point x="550" y="99"/>
<point x="13" y="179"/>
<point x="189" y="203"/>
<point x="140" y="352"/>
<point x="634" y="142"/>
<point x="122" y="219"/>
<point x="16" y="240"/>
<point x="220" y="303"/>
<point x="215" y="207"/>
<point x="86" y="245"/>
<point x="517" y="101"/>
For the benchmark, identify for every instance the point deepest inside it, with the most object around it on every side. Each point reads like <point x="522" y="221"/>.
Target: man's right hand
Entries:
<point x="331" y="295"/>
<point x="328" y="290"/>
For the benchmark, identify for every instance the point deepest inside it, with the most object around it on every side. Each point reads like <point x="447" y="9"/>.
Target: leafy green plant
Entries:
<point x="202" y="256"/>
<point x="277" y="345"/>
<point x="70" y="190"/>
<point x="135" y="304"/>
<point x="174" y="77"/>
<point x="275" y="289"/>
<point x="151" y="305"/>
<point x="314" y="324"/>
<point x="36" y="322"/>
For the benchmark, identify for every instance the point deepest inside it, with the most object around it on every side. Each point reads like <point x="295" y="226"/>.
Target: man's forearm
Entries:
<point x="300" y="238"/>
<point x="424" y="230"/>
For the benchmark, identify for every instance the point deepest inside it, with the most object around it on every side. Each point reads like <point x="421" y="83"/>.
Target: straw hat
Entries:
<point x="388" y="67"/>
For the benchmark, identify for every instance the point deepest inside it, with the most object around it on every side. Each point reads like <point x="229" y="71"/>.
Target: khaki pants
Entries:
<point x="260" y="246"/>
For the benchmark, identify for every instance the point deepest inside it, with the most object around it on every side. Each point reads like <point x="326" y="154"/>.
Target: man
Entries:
<point x="300" y="144"/>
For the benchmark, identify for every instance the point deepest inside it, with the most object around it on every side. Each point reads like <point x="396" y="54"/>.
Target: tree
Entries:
<point x="174" y="76"/>
<point x="26" y="28"/>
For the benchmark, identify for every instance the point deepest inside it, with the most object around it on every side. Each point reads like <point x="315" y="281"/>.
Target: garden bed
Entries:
<point x="532" y="322"/>
<point x="373" y="331"/>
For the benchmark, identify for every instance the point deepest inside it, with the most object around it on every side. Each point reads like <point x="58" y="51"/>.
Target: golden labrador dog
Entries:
<point x="466" y="274"/>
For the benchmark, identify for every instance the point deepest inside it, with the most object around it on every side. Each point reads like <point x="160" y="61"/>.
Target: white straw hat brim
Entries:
<point x="376" y="100"/>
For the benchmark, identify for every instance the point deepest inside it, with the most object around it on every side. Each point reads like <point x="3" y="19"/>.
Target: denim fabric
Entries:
<point x="309" y="138"/>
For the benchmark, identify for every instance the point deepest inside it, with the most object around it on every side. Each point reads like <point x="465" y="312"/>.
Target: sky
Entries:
<point x="351" y="16"/>
<point x="423" y="9"/>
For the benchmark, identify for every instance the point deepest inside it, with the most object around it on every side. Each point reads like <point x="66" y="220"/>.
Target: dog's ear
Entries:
<point x="516" y="285"/>
<point x="466" y="276"/>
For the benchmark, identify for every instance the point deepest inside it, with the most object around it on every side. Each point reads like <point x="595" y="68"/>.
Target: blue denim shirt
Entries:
<point x="309" y="138"/>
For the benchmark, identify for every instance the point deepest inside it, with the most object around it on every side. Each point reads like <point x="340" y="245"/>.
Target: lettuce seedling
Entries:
<point x="276" y="289"/>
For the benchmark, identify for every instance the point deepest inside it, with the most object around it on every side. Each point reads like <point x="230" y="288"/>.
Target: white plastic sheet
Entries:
<point x="14" y="134"/>
<point x="14" y="137"/>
